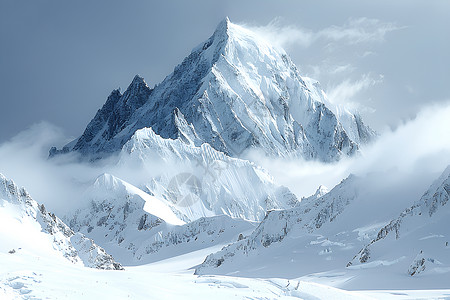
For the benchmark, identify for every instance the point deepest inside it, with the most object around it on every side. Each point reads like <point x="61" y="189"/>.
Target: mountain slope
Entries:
<point x="281" y="227"/>
<point x="203" y="182"/>
<point x="27" y="226"/>
<point x="136" y="227"/>
<point x="234" y="92"/>
<point x="419" y="235"/>
<point x="316" y="240"/>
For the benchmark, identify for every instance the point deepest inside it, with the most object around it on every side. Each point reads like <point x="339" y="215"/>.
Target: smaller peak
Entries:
<point x="137" y="80"/>
<point x="321" y="190"/>
<point x="115" y="93"/>
<point x="137" y="84"/>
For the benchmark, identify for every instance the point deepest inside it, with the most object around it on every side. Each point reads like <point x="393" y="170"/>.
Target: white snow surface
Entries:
<point x="206" y="182"/>
<point x="136" y="227"/>
<point x="317" y="240"/>
<point x="26" y="226"/>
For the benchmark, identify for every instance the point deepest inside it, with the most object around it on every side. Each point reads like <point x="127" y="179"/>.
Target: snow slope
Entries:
<point x="27" y="277"/>
<point x="419" y="236"/>
<point x="137" y="227"/>
<point x="27" y="227"/>
<point x="203" y="182"/>
<point x="36" y="272"/>
<point x="311" y="214"/>
<point x="316" y="240"/>
<point x="234" y="92"/>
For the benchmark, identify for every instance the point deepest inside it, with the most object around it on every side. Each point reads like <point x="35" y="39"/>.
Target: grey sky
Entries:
<point x="59" y="60"/>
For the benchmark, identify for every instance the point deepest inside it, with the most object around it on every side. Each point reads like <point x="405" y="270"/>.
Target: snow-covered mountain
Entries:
<point x="318" y="238"/>
<point x="203" y="182"/>
<point x="27" y="226"/>
<point x="137" y="227"/>
<point x="311" y="214"/>
<point x="235" y="92"/>
<point x="419" y="236"/>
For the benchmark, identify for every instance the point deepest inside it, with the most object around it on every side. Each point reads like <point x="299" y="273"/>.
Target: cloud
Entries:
<point x="359" y="30"/>
<point x="60" y="182"/>
<point x="283" y="35"/>
<point x="411" y="157"/>
<point x="343" y="94"/>
<point x="405" y="160"/>
<point x="354" y="31"/>
<point x="340" y="69"/>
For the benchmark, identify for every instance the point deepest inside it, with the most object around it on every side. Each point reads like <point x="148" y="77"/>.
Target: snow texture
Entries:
<point x="18" y="209"/>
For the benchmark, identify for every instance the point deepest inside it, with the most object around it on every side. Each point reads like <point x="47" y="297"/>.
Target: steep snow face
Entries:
<point x="202" y="182"/>
<point x="234" y="92"/>
<point x="136" y="226"/>
<point x="420" y="234"/>
<point x="27" y="226"/>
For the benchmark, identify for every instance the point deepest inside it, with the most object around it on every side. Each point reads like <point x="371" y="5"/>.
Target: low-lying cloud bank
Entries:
<point x="412" y="155"/>
<point x="407" y="160"/>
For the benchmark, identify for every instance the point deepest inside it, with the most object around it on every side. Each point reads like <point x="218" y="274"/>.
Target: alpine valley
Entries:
<point x="179" y="209"/>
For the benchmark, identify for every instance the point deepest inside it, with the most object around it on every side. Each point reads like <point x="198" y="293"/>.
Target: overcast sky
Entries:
<point x="59" y="60"/>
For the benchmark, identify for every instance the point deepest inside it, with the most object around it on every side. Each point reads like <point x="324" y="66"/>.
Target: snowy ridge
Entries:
<point x="421" y="225"/>
<point x="311" y="215"/>
<point x="207" y="182"/>
<point x="135" y="226"/>
<point x="33" y="219"/>
<point x="234" y="92"/>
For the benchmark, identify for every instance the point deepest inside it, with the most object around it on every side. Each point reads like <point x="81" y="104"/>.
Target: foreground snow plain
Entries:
<point x="27" y="276"/>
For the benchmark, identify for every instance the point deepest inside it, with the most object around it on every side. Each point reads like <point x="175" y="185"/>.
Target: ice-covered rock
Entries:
<point x="414" y="217"/>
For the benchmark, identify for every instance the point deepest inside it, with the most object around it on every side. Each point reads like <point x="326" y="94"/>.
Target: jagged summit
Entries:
<point x="222" y="27"/>
<point x="114" y="114"/>
<point x="235" y="92"/>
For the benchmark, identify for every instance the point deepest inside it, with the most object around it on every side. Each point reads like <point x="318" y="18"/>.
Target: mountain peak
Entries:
<point x="137" y="81"/>
<point x="231" y="89"/>
<point x="223" y="26"/>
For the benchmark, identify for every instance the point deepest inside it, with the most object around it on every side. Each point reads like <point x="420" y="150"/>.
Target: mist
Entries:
<point x="402" y="162"/>
<point x="60" y="182"/>
<point x="407" y="159"/>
